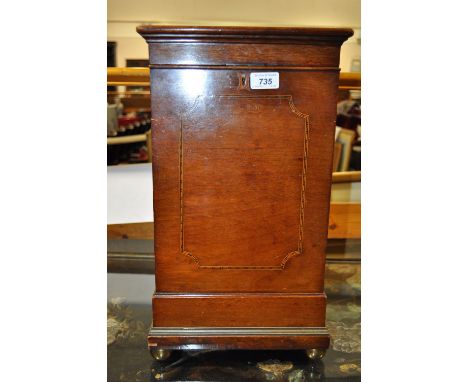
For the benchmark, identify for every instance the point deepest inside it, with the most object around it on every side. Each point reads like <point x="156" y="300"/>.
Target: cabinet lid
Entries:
<point x="303" y="35"/>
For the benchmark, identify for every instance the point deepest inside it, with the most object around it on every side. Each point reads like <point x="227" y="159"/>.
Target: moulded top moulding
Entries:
<point x="303" y="35"/>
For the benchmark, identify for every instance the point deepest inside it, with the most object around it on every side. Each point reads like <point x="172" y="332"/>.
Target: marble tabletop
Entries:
<point x="129" y="360"/>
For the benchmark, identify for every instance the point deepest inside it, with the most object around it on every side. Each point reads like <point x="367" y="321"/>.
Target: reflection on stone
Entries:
<point x="344" y="325"/>
<point x="121" y="326"/>
<point x="345" y="338"/>
<point x="296" y="376"/>
<point x="343" y="279"/>
<point x="275" y="367"/>
<point x="350" y="368"/>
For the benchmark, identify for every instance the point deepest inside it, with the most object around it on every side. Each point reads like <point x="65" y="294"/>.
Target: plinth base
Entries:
<point x="250" y="338"/>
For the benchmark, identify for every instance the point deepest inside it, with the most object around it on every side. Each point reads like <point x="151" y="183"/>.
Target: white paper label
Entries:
<point x="264" y="80"/>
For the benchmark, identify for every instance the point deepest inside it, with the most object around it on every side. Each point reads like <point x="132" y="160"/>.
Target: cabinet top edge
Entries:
<point x="212" y="33"/>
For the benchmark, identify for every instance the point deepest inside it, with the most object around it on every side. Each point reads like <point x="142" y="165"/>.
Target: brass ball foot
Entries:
<point x="315" y="354"/>
<point x="160" y="354"/>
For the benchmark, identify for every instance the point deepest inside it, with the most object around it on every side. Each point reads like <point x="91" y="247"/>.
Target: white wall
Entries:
<point x="129" y="193"/>
<point x="132" y="288"/>
<point x="125" y="15"/>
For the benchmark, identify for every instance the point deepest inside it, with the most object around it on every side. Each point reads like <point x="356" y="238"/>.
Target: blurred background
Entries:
<point x="128" y="110"/>
<point x="124" y="16"/>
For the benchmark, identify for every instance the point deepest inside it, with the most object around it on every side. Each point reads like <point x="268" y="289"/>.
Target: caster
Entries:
<point x="316" y="354"/>
<point x="160" y="354"/>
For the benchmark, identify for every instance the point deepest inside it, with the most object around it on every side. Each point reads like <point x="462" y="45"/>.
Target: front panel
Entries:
<point x="241" y="180"/>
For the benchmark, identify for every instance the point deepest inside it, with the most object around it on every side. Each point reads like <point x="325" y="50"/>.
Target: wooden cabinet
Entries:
<point x="241" y="179"/>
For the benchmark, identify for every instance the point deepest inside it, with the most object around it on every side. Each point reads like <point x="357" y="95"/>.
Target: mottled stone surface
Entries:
<point x="129" y="360"/>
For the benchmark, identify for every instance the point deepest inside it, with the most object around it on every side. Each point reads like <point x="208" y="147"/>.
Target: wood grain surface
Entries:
<point x="241" y="177"/>
<point x="141" y="77"/>
<point x="344" y="223"/>
<point x="234" y="310"/>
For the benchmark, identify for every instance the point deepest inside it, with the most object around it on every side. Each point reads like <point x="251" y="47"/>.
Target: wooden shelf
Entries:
<point x="346" y="177"/>
<point x="126" y="139"/>
<point x="128" y="77"/>
<point x="350" y="81"/>
<point x="140" y="77"/>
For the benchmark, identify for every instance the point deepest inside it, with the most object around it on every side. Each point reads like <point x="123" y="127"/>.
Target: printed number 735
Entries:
<point x="266" y="81"/>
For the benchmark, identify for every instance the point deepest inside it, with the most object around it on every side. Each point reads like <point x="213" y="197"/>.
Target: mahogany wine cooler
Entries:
<point x="243" y="122"/>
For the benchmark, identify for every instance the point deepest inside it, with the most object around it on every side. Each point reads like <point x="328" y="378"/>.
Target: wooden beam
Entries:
<point x="350" y="81"/>
<point x="344" y="223"/>
<point x="346" y="177"/>
<point x="134" y="231"/>
<point x="136" y="76"/>
<point x="140" y="77"/>
<point x="126" y="139"/>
